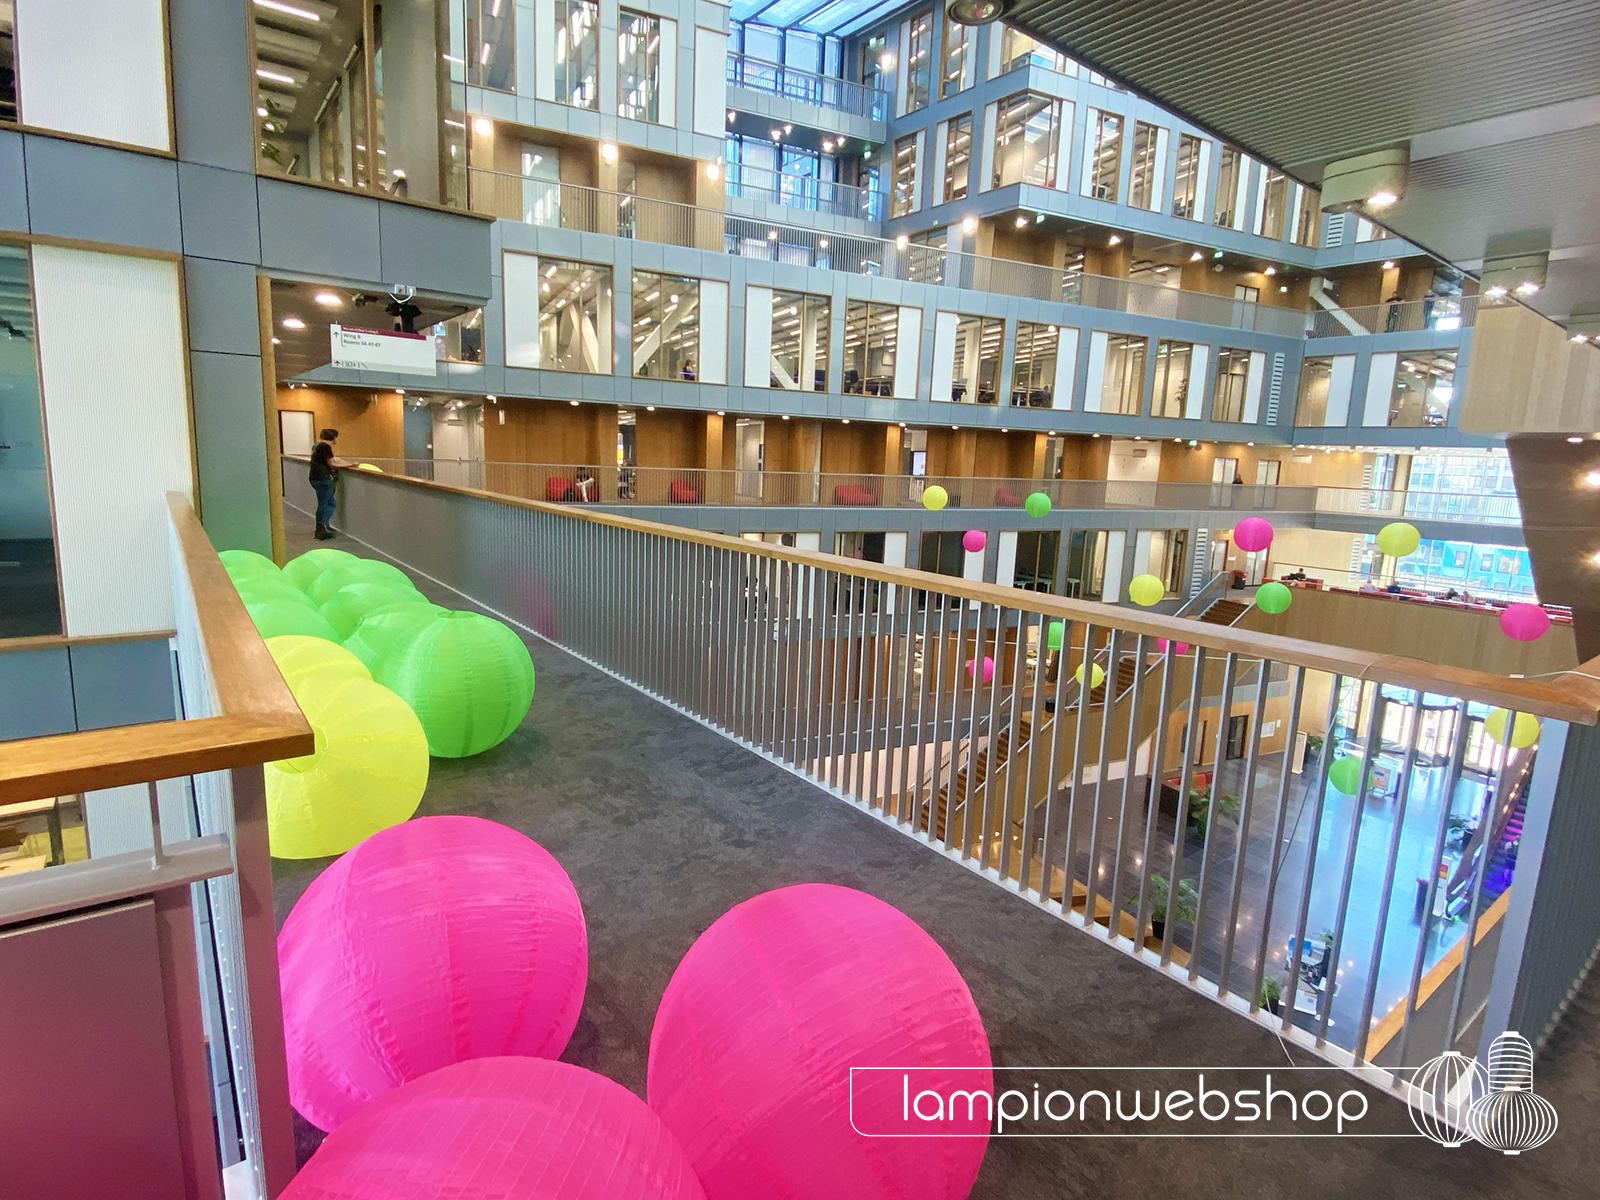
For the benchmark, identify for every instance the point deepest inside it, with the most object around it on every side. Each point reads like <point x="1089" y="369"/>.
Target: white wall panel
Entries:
<point x="1202" y="211"/>
<point x="668" y="79"/>
<point x="1194" y="404"/>
<point x="944" y="354"/>
<point x="1380" y="390"/>
<point x="1242" y="190"/>
<point x="544" y="50"/>
<point x="1341" y="377"/>
<point x="907" y="352"/>
<point x="894" y="548"/>
<point x="941" y="136"/>
<point x="1116" y="547"/>
<point x="1253" y="382"/>
<point x="1158" y="186"/>
<point x="519" y="294"/>
<point x="710" y="87"/>
<point x="1005" y="558"/>
<point x="1094" y="377"/>
<point x="116" y="405"/>
<point x="1066" y="368"/>
<point x="985" y="151"/>
<point x="714" y="332"/>
<point x="97" y="68"/>
<point x="757" y="337"/>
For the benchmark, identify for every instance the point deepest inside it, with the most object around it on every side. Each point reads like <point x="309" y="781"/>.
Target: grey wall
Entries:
<point x="89" y="685"/>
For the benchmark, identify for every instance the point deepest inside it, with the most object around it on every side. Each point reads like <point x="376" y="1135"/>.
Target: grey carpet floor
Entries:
<point x="664" y="824"/>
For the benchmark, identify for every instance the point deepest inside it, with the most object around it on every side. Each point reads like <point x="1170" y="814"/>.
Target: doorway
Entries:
<point x="1223" y="472"/>
<point x="541" y="185"/>
<point x="749" y="457"/>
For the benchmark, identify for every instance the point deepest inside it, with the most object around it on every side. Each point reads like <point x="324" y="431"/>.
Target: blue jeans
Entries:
<point x="324" y="490"/>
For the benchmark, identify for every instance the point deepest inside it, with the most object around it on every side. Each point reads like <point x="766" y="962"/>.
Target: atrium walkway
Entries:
<point x="664" y="824"/>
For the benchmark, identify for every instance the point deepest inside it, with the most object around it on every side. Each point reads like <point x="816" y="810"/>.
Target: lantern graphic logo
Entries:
<point x="1460" y="1102"/>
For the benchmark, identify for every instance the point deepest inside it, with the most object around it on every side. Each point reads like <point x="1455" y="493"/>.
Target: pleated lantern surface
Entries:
<point x="437" y="941"/>
<point x="303" y="568"/>
<point x="345" y="608"/>
<point x="274" y="618"/>
<point x="375" y="570"/>
<point x="501" y="1129"/>
<point x="468" y="678"/>
<point x="382" y="628"/>
<point x="263" y="589"/>
<point x="368" y="771"/>
<point x="330" y="580"/>
<point x="752" y="1047"/>
<point x="239" y="563"/>
<point x="309" y="661"/>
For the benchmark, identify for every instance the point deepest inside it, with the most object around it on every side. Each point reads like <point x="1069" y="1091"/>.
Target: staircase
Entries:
<point x="1224" y="612"/>
<point x="958" y="785"/>
<point x="1503" y="862"/>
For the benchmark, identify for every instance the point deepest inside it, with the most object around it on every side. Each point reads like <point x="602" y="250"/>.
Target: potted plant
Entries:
<point x="1200" y="809"/>
<point x="1184" y="908"/>
<point x="1313" y="748"/>
<point x="1270" y="996"/>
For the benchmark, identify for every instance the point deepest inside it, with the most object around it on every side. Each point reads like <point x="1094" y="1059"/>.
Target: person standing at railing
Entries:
<point x="324" y="472"/>
<point x="1393" y="321"/>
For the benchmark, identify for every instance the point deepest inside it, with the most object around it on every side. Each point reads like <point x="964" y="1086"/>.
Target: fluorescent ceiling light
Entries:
<point x="289" y="10"/>
<point x="276" y="76"/>
<point x="293" y="323"/>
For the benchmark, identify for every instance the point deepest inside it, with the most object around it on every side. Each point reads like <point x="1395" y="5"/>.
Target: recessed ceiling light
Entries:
<point x="1381" y="199"/>
<point x="1022" y="222"/>
<point x="969" y="224"/>
<point x="328" y="299"/>
<point x="1114" y="240"/>
<point x="785" y="416"/>
<point x="1596" y="559"/>
<point x="1592" y="479"/>
<point x="730" y="114"/>
<point x="1196" y="256"/>
<point x="1389" y="266"/>
<point x="293" y="323"/>
<point x="399" y="391"/>
<point x="482" y="126"/>
<point x="847" y="420"/>
<point x="275" y="341"/>
<point x="1575" y="440"/>
<point x="574" y="403"/>
<point x="1495" y="292"/>
<point x="1270" y="271"/>
<point x="822" y="243"/>
<point x="1580" y="338"/>
<point x="649" y="408"/>
<point x="1527" y="287"/>
<point x="902" y="241"/>
<point x="491" y="399"/>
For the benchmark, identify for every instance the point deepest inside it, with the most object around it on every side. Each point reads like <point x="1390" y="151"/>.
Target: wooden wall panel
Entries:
<point x="370" y="424"/>
<point x="1524" y="376"/>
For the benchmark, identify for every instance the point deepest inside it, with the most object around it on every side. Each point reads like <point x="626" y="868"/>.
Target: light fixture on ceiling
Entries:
<point x="574" y="403"/>
<point x="1592" y="479"/>
<point x="827" y="145"/>
<point x="886" y="62"/>
<point x="1163" y="269"/>
<point x="482" y="126"/>
<point x="276" y="77"/>
<point x="1022" y="222"/>
<point x="772" y="235"/>
<point x="1381" y="199"/>
<point x="1389" y="265"/>
<point x="1249" y="443"/>
<point x="785" y="416"/>
<point x="261" y="112"/>
<point x="775" y="134"/>
<point x="847" y="420"/>
<point x="399" y="391"/>
<point x="969" y="224"/>
<point x="902" y="241"/>
<point x="1283" y="287"/>
<point x="976" y="12"/>
<point x="1527" y="287"/>
<point x="289" y="10"/>
<point x="1580" y="338"/>
<point x="293" y="323"/>
<point x="902" y="424"/>
<point x="1495" y="292"/>
<point x="1196" y="256"/>
<point x="722" y="412"/>
<point x="328" y="300"/>
<point x="1576" y="441"/>
<point x="1114" y="240"/>
<point x="608" y="151"/>
<point x="275" y="341"/>
<point x="730" y="114"/>
<point x="1094" y="435"/>
<point x="822" y="243"/>
<point x="788" y="128"/>
<point x="1270" y="271"/>
<point x="1216" y="254"/>
<point x="649" y="408"/>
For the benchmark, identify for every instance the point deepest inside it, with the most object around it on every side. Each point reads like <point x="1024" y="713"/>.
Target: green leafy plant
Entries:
<point x="1185" y="907"/>
<point x="1200" y="809"/>
<point x="1313" y="747"/>
<point x="1270" y="995"/>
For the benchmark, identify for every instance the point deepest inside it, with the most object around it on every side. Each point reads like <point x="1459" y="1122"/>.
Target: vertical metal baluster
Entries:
<point x="736" y="675"/>
<point x="789" y="683"/>
<point x="777" y="637"/>
<point x="764" y="657"/>
<point x="722" y="638"/>
<point x="1458" y="755"/>
<point x="1297" y="933"/>
<point x="814" y="641"/>
<point x="708" y="631"/>
<point x="1402" y="798"/>
<point x="898" y="728"/>
<point x="838" y="603"/>
<point x="1130" y="763"/>
<point x="956" y="673"/>
<point x="1180" y="825"/>
<point x="1230" y="668"/>
<point x="1035" y="707"/>
<point x="928" y="807"/>
<point x="1246" y="809"/>
<point x="987" y="851"/>
<point x="1052" y="773"/>
<point x="1107" y="712"/>
<point x="882" y="700"/>
<point x="976" y="680"/>
<point x="859" y="638"/>
<point x="912" y="763"/>
<point x="1297" y="687"/>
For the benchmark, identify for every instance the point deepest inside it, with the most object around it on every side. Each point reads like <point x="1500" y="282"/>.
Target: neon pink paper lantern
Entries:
<point x="757" y="1053"/>
<point x="430" y="942"/>
<point x="1524" y="622"/>
<point x="988" y="668"/>
<point x="1253" y="534"/>
<point x="974" y="540"/>
<point x="501" y="1129"/>
<point x="1161" y="645"/>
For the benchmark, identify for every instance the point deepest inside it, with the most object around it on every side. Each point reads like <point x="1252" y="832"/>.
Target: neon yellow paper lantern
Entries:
<point x="346" y="607"/>
<point x="274" y="618"/>
<point x="303" y="568"/>
<point x="368" y="771"/>
<point x="369" y="467"/>
<point x="384" y="628"/>
<point x="314" y="661"/>
<point x="1523" y="733"/>
<point x="1096" y="674"/>
<point x="468" y="678"/>
<point x="1145" y="590"/>
<point x="934" y="497"/>
<point x="1398" y="539"/>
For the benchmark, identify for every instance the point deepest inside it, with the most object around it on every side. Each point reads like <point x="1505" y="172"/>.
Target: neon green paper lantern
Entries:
<point x="1398" y="539"/>
<point x="314" y="661"/>
<point x="468" y="678"/>
<point x="1057" y="630"/>
<point x="346" y="607"/>
<point x="1145" y="590"/>
<point x="243" y="563"/>
<point x="1523" y="733"/>
<point x="274" y="618"/>
<point x="934" y="497"/>
<point x="1037" y="505"/>
<point x="1345" y="775"/>
<point x="329" y="581"/>
<point x="375" y="570"/>
<point x="1273" y="597"/>
<point x="384" y="628"/>
<point x="303" y="568"/>
<point x="376" y="470"/>
<point x="268" y="589"/>
<point x="368" y="771"/>
<point x="1097" y="675"/>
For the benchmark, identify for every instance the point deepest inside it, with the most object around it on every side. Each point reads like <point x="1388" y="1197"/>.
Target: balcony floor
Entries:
<point x="663" y="825"/>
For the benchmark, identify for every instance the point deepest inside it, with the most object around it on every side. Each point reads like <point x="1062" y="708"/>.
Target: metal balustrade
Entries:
<point x="804" y="192"/>
<point x="1401" y="316"/>
<point x="1174" y="810"/>
<point x="807" y="87"/>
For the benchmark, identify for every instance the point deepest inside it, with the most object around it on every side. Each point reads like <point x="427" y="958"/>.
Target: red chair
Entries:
<point x="1004" y="497"/>
<point x="855" y="494"/>
<point x="559" y="488"/>
<point x="680" y="492"/>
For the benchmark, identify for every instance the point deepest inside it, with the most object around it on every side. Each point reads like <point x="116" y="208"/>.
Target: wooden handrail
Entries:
<point x="1574" y="697"/>
<point x="257" y="718"/>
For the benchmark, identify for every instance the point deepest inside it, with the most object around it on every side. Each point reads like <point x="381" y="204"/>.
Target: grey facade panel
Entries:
<point x="13" y="183"/>
<point x="36" y="693"/>
<point x="218" y="212"/>
<point x="319" y="231"/>
<point x="434" y="251"/>
<point x="212" y="94"/>
<point x="101" y="194"/>
<point x="122" y="683"/>
<point x="221" y="301"/>
<point x="231" y="441"/>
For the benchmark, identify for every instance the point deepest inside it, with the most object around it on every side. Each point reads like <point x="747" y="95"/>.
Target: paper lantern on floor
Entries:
<point x="1274" y="597"/>
<point x="368" y="770"/>
<point x="1524" y="622"/>
<point x="1097" y="675"/>
<point x="303" y="568"/>
<point x="1056" y="632"/>
<point x="384" y="628"/>
<point x="1161" y="645"/>
<point x="1398" y="539"/>
<point x="988" y="669"/>
<point x="468" y="678"/>
<point x="1252" y="534"/>
<point x="239" y="563"/>
<point x="501" y="1129"/>
<point x="1524" y="732"/>
<point x="429" y="943"/>
<point x="274" y="618"/>
<point x="934" y="497"/>
<point x="329" y="581"/>
<point x="302" y="659"/>
<point x="1037" y="505"/>
<point x="375" y="570"/>
<point x="346" y="607"/>
<point x="974" y="540"/>
<point x="753" y="1043"/>
<point x="1145" y="590"/>
<point x="1345" y="774"/>
<point x="261" y="589"/>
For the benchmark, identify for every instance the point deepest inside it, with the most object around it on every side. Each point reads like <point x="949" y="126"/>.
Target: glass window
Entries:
<point x="460" y="339"/>
<point x="872" y="55"/>
<point x="1017" y="50"/>
<point x="1105" y="155"/>
<point x="1272" y="206"/>
<point x="943" y="553"/>
<point x="1230" y="170"/>
<point x="800" y="342"/>
<point x="1424" y="384"/>
<point x="975" y="376"/>
<point x="1233" y="374"/>
<point x="1142" y="173"/>
<point x="8" y="61"/>
<point x="639" y="66"/>
<point x="1169" y="549"/>
<point x="1366" y="231"/>
<point x="1122" y="384"/>
<point x="666" y="326"/>
<point x="1026" y="128"/>
<point x="30" y="603"/>
<point x="919" y="62"/>
<point x="1037" y="551"/>
<point x="1033" y="365"/>
<point x="1311" y="403"/>
<point x="957" y="45"/>
<point x="575" y="317"/>
<point x="491" y="43"/>
<point x="957" y="157"/>
<point x="1186" y="182"/>
<point x="903" y="198"/>
<point x="1306" y="222"/>
<point x="1172" y="377"/>
<point x="577" y="53"/>
<point x="925" y="255"/>
<point x="870" y="334"/>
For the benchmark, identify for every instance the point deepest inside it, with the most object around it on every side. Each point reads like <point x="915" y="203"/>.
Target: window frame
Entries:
<point x="1222" y="394"/>
<point x="1167" y="349"/>
<point x="948" y="194"/>
<point x="903" y="191"/>
<point x="1132" y="385"/>
<point x="650" y="111"/>
<point x="688" y="353"/>
<point x="1096" y="143"/>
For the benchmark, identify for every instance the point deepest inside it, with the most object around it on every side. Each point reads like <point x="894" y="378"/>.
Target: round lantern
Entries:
<point x="1161" y="645"/>
<point x="368" y="770"/>
<point x="384" y="628"/>
<point x="1524" y="731"/>
<point x="1398" y="539"/>
<point x="753" y="1045"/>
<point x="241" y="563"/>
<point x="266" y="589"/>
<point x="1055" y="633"/>
<point x="304" y="659"/>
<point x="1345" y="774"/>
<point x="934" y="497"/>
<point x="1274" y="597"/>
<point x="346" y="607"/>
<point x="1145" y="590"/>
<point x="376" y="470"/>
<point x="988" y="668"/>
<point x="1524" y="622"/>
<point x="1449" y="1084"/>
<point x="429" y="943"/>
<point x="974" y="540"/>
<point x="331" y="580"/>
<point x="274" y="618"/>
<point x="375" y="570"/>
<point x="1097" y="675"/>
<point x="468" y="678"/>
<point x="1037" y="504"/>
<point x="1252" y="534"/>
<point x="501" y="1129"/>
<point x="303" y="568"/>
